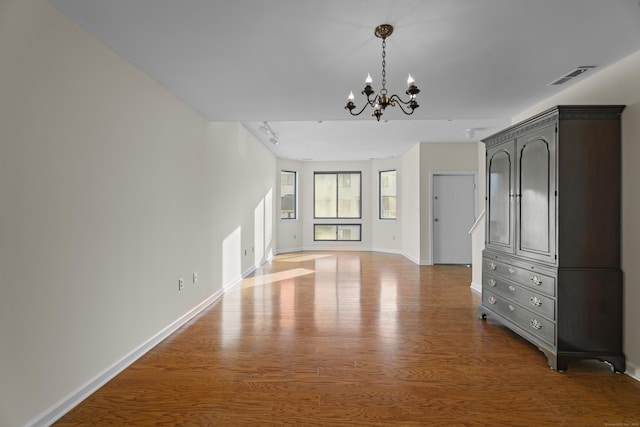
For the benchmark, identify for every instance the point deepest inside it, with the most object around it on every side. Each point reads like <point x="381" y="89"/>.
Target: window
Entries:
<point x="337" y="195"/>
<point x="287" y="195"/>
<point x="387" y="202"/>
<point x="337" y="232"/>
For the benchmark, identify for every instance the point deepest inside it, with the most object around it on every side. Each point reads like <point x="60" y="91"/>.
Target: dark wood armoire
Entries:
<point x="551" y="264"/>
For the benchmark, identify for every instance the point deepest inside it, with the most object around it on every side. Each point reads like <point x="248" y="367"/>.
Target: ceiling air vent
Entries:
<point x="572" y="75"/>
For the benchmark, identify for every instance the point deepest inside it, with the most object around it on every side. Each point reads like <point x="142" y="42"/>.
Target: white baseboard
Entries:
<point x="335" y="249"/>
<point x="57" y="410"/>
<point x="633" y="371"/>
<point x="477" y="288"/>
<point x="387" y="251"/>
<point x="247" y="272"/>
<point x="286" y="251"/>
<point x="410" y="258"/>
<point x="417" y="261"/>
<point x="233" y="282"/>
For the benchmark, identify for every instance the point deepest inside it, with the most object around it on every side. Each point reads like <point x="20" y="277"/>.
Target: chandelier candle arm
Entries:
<point x="412" y="104"/>
<point x="381" y="101"/>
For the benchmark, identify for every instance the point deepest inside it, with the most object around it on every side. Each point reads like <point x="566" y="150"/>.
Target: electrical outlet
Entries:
<point x="180" y="283"/>
<point x="195" y="278"/>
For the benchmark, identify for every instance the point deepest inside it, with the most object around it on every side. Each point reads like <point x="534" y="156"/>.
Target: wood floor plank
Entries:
<point x="354" y="339"/>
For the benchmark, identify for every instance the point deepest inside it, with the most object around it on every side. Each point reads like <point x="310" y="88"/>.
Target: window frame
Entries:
<point x="337" y="173"/>
<point x="337" y="226"/>
<point x="380" y="217"/>
<point x="295" y="195"/>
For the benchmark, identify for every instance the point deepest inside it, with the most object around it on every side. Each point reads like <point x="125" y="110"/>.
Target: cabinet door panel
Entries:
<point x="500" y="184"/>
<point x="536" y="195"/>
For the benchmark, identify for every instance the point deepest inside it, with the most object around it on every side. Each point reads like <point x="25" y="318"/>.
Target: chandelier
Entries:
<point x="382" y="100"/>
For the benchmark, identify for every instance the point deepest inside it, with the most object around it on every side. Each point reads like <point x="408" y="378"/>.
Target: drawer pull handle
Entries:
<point x="512" y="308"/>
<point x="535" y="324"/>
<point x="492" y="300"/>
<point x="535" y="301"/>
<point x="511" y="270"/>
<point x="512" y="288"/>
<point x="491" y="282"/>
<point x="492" y="266"/>
<point x="536" y="281"/>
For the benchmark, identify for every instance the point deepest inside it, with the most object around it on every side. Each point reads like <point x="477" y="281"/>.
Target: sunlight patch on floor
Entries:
<point x="275" y="277"/>
<point x="301" y="258"/>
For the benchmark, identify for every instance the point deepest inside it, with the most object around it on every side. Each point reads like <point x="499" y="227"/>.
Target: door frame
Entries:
<point x="432" y="173"/>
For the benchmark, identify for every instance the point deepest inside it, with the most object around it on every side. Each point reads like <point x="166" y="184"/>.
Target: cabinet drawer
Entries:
<point x="541" y="282"/>
<point x="535" y="302"/>
<point x="523" y="318"/>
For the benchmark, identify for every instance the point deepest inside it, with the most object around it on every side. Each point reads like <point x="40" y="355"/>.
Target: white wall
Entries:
<point x="110" y="190"/>
<point x="243" y="203"/>
<point x="409" y="204"/>
<point x="478" y="235"/>
<point x="618" y="84"/>
<point x="440" y="157"/>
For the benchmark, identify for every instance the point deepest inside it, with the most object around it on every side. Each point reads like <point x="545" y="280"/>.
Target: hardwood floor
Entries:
<point x="354" y="339"/>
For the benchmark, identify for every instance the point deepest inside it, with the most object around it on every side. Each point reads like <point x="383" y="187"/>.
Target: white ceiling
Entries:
<point x="293" y="62"/>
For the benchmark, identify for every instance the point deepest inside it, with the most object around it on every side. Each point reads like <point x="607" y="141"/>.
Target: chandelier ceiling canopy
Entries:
<point x="382" y="100"/>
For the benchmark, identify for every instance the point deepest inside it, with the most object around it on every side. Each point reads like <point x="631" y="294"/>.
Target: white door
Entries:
<point x="453" y="216"/>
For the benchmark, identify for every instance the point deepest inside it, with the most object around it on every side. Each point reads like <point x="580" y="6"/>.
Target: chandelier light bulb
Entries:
<point x="410" y="80"/>
<point x="368" y="80"/>
<point x="351" y="97"/>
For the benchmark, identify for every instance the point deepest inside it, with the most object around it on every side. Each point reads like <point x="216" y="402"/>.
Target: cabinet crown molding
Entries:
<point x="559" y="112"/>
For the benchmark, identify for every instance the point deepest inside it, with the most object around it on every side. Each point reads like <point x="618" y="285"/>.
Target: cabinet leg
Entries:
<point x="617" y="363"/>
<point x="555" y="362"/>
<point x="561" y="364"/>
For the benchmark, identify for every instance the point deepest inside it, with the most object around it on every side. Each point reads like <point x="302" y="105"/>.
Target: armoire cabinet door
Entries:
<point x="535" y="195"/>
<point x="500" y="191"/>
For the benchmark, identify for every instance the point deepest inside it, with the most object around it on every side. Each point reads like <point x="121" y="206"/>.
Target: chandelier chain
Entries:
<point x="384" y="66"/>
